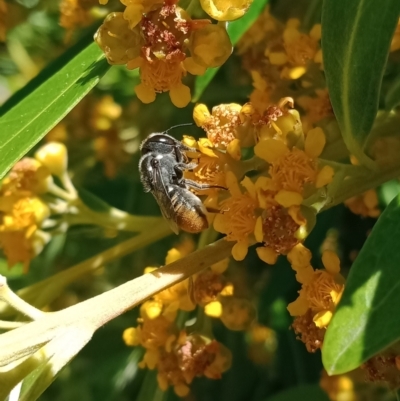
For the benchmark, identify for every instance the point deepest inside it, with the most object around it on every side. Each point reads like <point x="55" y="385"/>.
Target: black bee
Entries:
<point x="161" y="167"/>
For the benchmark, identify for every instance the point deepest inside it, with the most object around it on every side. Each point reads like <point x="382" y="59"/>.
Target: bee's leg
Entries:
<point x="196" y="185"/>
<point x="214" y="210"/>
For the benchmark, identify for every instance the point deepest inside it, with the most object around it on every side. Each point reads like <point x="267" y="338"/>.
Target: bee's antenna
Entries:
<point x="176" y="126"/>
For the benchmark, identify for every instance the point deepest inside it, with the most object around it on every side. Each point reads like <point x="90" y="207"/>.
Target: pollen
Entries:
<point x="279" y="230"/>
<point x="293" y="170"/>
<point x="238" y="218"/>
<point x="308" y="332"/>
<point x="220" y="125"/>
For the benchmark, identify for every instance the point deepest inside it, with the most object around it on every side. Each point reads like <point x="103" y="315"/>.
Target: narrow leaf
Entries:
<point x="25" y="121"/>
<point x="236" y="30"/>
<point x="365" y="322"/>
<point x="392" y="98"/>
<point x="356" y="36"/>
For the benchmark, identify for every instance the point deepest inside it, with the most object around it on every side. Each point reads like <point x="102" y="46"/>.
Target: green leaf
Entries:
<point x="306" y="392"/>
<point x="236" y="30"/>
<point x="356" y="36"/>
<point x="388" y="191"/>
<point x="37" y="108"/>
<point x="392" y="98"/>
<point x="366" y="321"/>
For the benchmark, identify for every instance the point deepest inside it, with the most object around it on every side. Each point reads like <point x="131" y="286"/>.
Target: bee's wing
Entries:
<point x="160" y="192"/>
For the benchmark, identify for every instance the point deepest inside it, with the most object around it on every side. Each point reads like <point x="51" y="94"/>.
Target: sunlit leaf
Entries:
<point x="356" y="37"/>
<point x="37" y="108"/>
<point x="365" y="322"/>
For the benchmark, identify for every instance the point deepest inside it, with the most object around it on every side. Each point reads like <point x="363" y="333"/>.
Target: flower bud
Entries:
<point x="225" y="10"/>
<point x="54" y="156"/>
<point x="210" y="46"/>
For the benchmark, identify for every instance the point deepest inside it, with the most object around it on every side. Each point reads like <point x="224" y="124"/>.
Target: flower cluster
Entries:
<point x="181" y="355"/>
<point x="282" y="61"/>
<point x="319" y="295"/>
<point x="75" y="14"/>
<point x="24" y="204"/>
<point x="23" y="212"/>
<point x="366" y="204"/>
<point x="165" y="43"/>
<point x="268" y="207"/>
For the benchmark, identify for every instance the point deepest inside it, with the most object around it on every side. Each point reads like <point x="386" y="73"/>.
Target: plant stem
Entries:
<point x="358" y="184"/>
<point x="97" y="311"/>
<point x="42" y="293"/>
<point x="12" y="299"/>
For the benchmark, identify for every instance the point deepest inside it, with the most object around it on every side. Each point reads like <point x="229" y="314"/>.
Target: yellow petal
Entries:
<point x="315" y="142"/>
<point x="180" y="95"/>
<point x="249" y="185"/>
<point x="331" y="262"/>
<point x="232" y="184"/>
<point x="299" y="307"/>
<point x="145" y="94"/>
<point x="222" y="10"/>
<point x="304" y="275"/>
<point x="277" y="58"/>
<point x="201" y="114"/>
<point x="213" y="309"/>
<point x="322" y="319"/>
<point x="270" y="150"/>
<point x="234" y="149"/>
<point x="299" y="256"/>
<point x="220" y="266"/>
<point x="239" y="250"/>
<point x="324" y="176"/>
<point x="288" y="198"/>
<point x="192" y="67"/>
<point x="267" y="255"/>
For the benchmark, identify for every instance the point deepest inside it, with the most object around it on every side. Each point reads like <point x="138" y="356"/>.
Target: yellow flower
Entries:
<point x="154" y="330"/>
<point x="238" y="217"/>
<point x="119" y="43"/>
<point x="316" y="108"/>
<point x="207" y="286"/>
<point x="75" y="14"/>
<point x="177" y="296"/>
<point x="366" y="204"/>
<point x="341" y="387"/>
<point x="225" y="10"/>
<point x="20" y="237"/>
<point x="54" y="156"/>
<point x="27" y="175"/>
<point x="162" y="76"/>
<point x="136" y="8"/>
<point x="193" y="356"/>
<point x="156" y="37"/>
<point x="279" y="228"/>
<point x="320" y="293"/>
<point x="299" y="47"/>
<point x="221" y="124"/>
<point x="210" y="46"/>
<point x="237" y="313"/>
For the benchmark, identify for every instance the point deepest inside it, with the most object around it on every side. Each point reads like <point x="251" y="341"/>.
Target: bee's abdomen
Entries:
<point x="190" y="213"/>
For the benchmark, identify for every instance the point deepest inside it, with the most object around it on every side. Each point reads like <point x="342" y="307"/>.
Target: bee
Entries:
<point x="162" y="165"/>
